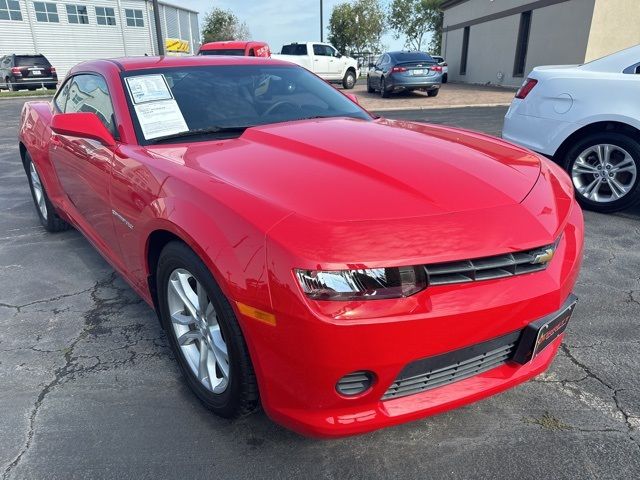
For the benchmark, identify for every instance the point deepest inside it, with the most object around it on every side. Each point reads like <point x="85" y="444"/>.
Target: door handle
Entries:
<point x="55" y="141"/>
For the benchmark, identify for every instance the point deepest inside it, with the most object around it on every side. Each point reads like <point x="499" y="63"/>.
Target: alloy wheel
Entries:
<point x="38" y="191"/>
<point x="195" y="324"/>
<point x="604" y="173"/>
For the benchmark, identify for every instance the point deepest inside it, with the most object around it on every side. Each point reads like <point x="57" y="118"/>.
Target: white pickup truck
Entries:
<point x="323" y="60"/>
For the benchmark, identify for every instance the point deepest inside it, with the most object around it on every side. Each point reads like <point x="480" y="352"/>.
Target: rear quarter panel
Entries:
<point x="35" y="135"/>
<point x="566" y="101"/>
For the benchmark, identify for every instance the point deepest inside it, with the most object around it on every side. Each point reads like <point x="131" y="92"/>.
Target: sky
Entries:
<point x="279" y="22"/>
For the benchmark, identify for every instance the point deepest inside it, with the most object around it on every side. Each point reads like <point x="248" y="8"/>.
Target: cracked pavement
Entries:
<point x="89" y="388"/>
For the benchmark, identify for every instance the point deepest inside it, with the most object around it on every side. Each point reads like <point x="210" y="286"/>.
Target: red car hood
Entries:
<point x="343" y="170"/>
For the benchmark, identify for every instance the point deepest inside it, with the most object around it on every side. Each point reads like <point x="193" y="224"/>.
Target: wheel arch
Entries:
<point x="23" y="154"/>
<point x="590" y="129"/>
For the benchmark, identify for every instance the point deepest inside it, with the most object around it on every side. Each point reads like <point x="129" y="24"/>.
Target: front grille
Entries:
<point x="487" y="268"/>
<point x="440" y="370"/>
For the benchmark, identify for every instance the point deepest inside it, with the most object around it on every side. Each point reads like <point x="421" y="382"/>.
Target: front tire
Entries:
<point x="349" y="80"/>
<point x="605" y="170"/>
<point x="204" y="333"/>
<point x="45" y="210"/>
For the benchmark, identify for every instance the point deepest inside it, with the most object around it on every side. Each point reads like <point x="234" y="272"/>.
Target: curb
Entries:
<point x="17" y="97"/>
<point x="437" y="107"/>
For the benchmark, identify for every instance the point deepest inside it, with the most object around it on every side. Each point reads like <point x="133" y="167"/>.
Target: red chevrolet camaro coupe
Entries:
<point x="344" y="271"/>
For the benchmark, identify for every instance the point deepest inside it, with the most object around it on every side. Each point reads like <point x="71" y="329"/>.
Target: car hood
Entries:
<point x="353" y="170"/>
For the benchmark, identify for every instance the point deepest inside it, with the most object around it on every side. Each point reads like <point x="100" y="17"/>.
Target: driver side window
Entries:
<point x="89" y="93"/>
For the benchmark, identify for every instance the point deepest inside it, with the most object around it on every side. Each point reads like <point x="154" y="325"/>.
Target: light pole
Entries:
<point x="321" y="21"/>
<point x="156" y="17"/>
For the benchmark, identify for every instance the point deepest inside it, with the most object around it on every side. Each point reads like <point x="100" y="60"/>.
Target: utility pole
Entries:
<point x="156" y="16"/>
<point x="321" y="29"/>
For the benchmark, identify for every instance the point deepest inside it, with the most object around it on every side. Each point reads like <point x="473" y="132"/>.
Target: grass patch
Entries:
<point x="27" y="93"/>
<point x="549" y="422"/>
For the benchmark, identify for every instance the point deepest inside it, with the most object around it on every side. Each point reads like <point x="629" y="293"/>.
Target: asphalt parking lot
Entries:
<point x="89" y="388"/>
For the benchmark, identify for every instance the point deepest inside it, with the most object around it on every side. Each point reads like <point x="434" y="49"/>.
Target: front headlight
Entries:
<point x="365" y="284"/>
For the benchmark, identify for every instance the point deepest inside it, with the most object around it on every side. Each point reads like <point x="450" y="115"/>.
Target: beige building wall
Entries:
<point x="615" y="26"/>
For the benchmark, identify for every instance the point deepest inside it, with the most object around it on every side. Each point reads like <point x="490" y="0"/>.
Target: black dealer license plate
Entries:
<point x="539" y="334"/>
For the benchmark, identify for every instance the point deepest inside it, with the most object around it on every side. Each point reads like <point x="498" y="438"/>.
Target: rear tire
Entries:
<point x="225" y="381"/>
<point x="445" y="78"/>
<point x="605" y="170"/>
<point x="370" y="89"/>
<point x="433" y="93"/>
<point x="45" y="210"/>
<point x="11" y="86"/>
<point x="349" y="80"/>
<point x="384" y="93"/>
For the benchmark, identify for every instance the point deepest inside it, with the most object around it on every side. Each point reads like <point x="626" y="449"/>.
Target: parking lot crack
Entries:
<point x="92" y="319"/>
<point x="614" y="393"/>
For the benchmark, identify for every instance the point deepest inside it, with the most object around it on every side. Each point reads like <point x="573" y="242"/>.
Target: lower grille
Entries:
<point x="432" y="372"/>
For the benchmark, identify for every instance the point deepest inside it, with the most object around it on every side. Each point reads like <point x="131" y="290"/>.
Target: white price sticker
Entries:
<point x="148" y="88"/>
<point x="160" y="118"/>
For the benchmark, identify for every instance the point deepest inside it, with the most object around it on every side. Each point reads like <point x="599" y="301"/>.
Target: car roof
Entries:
<point x="229" y="44"/>
<point x="142" y="63"/>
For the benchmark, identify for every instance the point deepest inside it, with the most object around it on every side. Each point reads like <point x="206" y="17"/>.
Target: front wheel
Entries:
<point x="605" y="170"/>
<point x="349" y="80"/>
<point x="45" y="210"/>
<point x="204" y="333"/>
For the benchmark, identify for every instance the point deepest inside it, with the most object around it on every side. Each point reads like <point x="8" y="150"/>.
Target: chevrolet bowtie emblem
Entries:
<point x="544" y="256"/>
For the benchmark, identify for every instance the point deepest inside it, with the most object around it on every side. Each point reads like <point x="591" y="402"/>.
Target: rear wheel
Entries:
<point x="45" y="210"/>
<point x="433" y="93"/>
<point x="370" y="89"/>
<point x="349" y="80"/>
<point x="605" y="170"/>
<point x="384" y="93"/>
<point x="11" y="85"/>
<point x="204" y="333"/>
<point x="445" y="78"/>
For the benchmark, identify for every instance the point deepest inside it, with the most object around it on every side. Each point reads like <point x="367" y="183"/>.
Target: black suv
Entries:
<point x="26" y="71"/>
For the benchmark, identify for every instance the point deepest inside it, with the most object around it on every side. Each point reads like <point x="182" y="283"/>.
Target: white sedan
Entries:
<point x="587" y="118"/>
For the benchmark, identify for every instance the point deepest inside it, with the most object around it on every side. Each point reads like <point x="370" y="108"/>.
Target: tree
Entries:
<point x="358" y="26"/>
<point x="413" y="19"/>
<point x="222" y="25"/>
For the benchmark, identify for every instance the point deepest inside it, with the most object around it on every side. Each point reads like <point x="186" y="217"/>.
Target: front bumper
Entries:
<point x="300" y="359"/>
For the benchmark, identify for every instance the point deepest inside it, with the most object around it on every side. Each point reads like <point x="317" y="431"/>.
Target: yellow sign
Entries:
<point x="176" y="45"/>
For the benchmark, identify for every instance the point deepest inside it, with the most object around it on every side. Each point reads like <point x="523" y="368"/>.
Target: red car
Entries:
<point x="345" y="271"/>
<point x="237" y="48"/>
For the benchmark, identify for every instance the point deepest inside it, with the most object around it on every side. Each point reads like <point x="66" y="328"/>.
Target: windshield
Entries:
<point x="234" y="52"/>
<point x="221" y="101"/>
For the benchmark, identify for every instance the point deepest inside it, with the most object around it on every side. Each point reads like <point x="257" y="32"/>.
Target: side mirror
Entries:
<point x="353" y="98"/>
<point x="82" y="124"/>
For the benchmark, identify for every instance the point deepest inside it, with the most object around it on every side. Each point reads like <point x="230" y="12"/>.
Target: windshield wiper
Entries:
<point x="200" y="131"/>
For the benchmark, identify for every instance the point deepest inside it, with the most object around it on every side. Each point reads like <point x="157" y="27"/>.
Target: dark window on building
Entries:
<point x="465" y="51"/>
<point x="10" y="10"/>
<point x="105" y="16"/>
<point x="522" y="45"/>
<point x="134" y="18"/>
<point x="77" y="14"/>
<point x="46" y="12"/>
